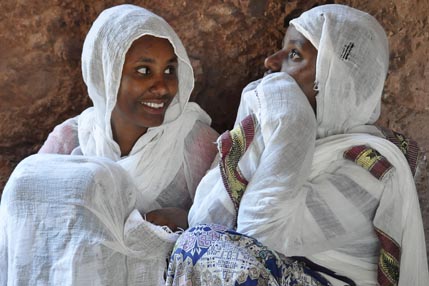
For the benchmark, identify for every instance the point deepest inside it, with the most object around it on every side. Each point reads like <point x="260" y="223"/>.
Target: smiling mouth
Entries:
<point x="153" y="104"/>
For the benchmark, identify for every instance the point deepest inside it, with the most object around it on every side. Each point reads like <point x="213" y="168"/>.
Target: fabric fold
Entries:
<point x="103" y="56"/>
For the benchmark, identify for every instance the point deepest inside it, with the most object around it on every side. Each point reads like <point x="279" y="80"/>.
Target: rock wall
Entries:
<point x="227" y="41"/>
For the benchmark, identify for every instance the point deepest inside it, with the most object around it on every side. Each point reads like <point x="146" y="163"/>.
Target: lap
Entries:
<point x="214" y="255"/>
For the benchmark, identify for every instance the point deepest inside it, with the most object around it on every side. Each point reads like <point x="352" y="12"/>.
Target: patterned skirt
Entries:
<point x="213" y="255"/>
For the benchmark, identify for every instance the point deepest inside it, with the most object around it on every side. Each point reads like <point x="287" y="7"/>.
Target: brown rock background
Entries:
<point x="40" y="46"/>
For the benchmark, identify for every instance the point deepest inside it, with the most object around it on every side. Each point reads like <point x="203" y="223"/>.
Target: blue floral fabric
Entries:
<point x="214" y="255"/>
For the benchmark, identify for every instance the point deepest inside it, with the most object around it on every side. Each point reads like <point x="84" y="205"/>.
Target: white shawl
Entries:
<point x="285" y="121"/>
<point x="279" y="207"/>
<point x="103" y="56"/>
<point x="75" y="216"/>
<point x="68" y="220"/>
<point x="352" y="64"/>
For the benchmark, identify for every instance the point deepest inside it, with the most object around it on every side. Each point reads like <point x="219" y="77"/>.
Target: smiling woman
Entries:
<point x="149" y="84"/>
<point x="102" y="207"/>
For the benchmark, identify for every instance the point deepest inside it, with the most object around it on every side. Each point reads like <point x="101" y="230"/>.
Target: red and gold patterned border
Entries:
<point x="408" y="147"/>
<point x="389" y="260"/>
<point x="369" y="159"/>
<point x="232" y="145"/>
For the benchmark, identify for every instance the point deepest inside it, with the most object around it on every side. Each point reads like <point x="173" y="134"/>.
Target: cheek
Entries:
<point x="303" y="76"/>
<point x="130" y="88"/>
<point x="307" y="81"/>
<point x="173" y="87"/>
<point x="123" y="87"/>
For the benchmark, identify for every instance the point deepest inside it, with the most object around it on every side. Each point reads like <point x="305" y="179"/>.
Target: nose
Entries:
<point x="274" y="62"/>
<point x="159" y="87"/>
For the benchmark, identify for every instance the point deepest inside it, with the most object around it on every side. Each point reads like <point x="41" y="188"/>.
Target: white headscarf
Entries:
<point x="351" y="68"/>
<point x="158" y="154"/>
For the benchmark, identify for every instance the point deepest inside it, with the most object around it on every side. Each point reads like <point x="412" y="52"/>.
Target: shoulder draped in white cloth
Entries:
<point x="103" y="56"/>
<point x="75" y="220"/>
<point x="303" y="198"/>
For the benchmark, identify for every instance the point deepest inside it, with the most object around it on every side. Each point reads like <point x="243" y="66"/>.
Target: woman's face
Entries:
<point x="298" y="59"/>
<point x="148" y="84"/>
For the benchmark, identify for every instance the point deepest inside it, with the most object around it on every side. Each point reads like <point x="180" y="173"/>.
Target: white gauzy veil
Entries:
<point x="157" y="155"/>
<point x="352" y="63"/>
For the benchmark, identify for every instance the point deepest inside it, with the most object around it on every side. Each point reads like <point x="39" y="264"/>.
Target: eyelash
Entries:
<point x="294" y="55"/>
<point x="171" y="69"/>
<point x="145" y="71"/>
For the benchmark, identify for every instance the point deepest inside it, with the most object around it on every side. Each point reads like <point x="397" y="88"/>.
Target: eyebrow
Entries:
<point x="151" y="60"/>
<point x="299" y="43"/>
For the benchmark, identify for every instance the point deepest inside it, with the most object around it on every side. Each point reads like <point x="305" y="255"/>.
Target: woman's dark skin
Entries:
<point x="174" y="218"/>
<point x="148" y="85"/>
<point x="297" y="58"/>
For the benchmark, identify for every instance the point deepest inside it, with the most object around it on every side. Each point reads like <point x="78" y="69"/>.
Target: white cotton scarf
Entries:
<point x="398" y="214"/>
<point x="70" y="220"/>
<point x="157" y="156"/>
<point x="76" y="215"/>
<point x="285" y="121"/>
<point x="352" y="64"/>
<point x="351" y="69"/>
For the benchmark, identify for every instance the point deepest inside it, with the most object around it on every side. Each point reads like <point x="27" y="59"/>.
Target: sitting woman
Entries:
<point x="299" y="199"/>
<point x="79" y="220"/>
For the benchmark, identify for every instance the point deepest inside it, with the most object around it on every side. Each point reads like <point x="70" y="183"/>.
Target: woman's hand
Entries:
<point x="174" y="218"/>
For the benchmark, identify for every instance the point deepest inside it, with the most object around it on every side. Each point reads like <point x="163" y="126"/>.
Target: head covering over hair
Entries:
<point x="158" y="154"/>
<point x="352" y="64"/>
<point x="351" y="69"/>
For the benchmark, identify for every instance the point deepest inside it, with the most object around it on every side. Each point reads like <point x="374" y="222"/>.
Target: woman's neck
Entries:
<point x="126" y="136"/>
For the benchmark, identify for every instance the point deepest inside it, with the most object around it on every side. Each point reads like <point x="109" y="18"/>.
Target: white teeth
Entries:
<point x="153" y="104"/>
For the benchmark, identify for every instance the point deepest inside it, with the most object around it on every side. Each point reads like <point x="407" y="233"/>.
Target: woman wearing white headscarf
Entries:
<point x="179" y="148"/>
<point x="299" y="199"/>
<point x="79" y="220"/>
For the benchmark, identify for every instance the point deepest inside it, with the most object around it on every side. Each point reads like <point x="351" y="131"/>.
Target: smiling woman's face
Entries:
<point x="148" y="84"/>
<point x="297" y="58"/>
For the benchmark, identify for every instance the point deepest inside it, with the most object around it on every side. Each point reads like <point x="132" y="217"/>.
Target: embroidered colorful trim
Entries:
<point x="232" y="145"/>
<point x="409" y="147"/>
<point x="388" y="263"/>
<point x="369" y="159"/>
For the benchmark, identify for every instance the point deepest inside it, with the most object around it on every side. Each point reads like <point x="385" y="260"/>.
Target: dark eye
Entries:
<point x="143" y="70"/>
<point x="171" y="70"/>
<point x="294" y="55"/>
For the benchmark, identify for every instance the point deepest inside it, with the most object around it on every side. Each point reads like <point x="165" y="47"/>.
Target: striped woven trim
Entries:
<point x="389" y="260"/>
<point x="369" y="159"/>
<point x="408" y="147"/>
<point x="232" y="145"/>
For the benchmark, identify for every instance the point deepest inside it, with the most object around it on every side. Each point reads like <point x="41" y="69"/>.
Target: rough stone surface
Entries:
<point x="227" y="41"/>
